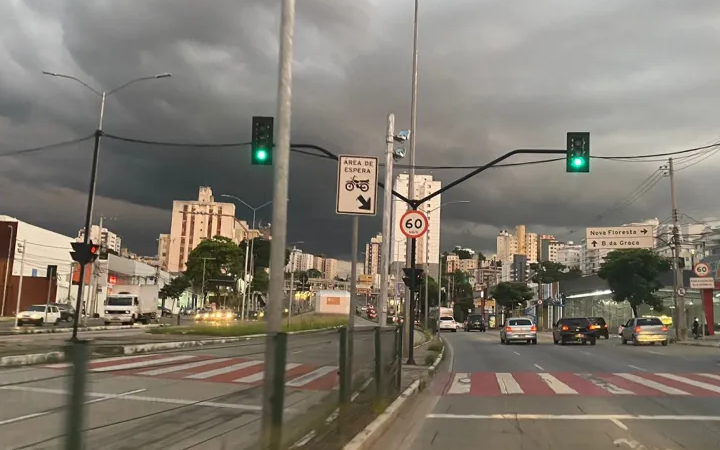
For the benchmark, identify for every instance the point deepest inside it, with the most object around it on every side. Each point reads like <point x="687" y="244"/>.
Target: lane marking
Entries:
<point x="223" y="370"/>
<point x="556" y="385"/>
<point x="191" y="365"/>
<point x="637" y="368"/>
<point x="296" y="352"/>
<point x="581" y="417"/>
<point x="698" y="384"/>
<point x="517" y="353"/>
<point x="620" y="425"/>
<point x="539" y="368"/>
<point x="508" y="384"/>
<point x="654" y="352"/>
<point x="710" y="375"/>
<point x="137" y="398"/>
<point x="257" y="377"/>
<point x="50" y="411"/>
<point x="139" y="364"/>
<point x="460" y="384"/>
<point x="651" y="384"/>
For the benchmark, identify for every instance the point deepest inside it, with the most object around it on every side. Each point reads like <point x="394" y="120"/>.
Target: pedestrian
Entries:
<point x="696" y="328"/>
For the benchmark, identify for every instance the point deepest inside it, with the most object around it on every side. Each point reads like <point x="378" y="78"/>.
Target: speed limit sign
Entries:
<point x="701" y="269"/>
<point x="414" y="224"/>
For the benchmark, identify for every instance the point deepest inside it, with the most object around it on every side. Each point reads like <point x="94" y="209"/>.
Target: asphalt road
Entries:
<point x="196" y="398"/>
<point x="545" y="396"/>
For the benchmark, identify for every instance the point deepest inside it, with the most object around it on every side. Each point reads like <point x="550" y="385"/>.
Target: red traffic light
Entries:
<point x="94" y="249"/>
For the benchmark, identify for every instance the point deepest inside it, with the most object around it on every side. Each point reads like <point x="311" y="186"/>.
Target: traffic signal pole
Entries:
<point x="410" y="303"/>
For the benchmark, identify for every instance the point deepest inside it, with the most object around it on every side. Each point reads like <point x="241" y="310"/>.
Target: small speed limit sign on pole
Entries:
<point x="701" y="269"/>
<point x="414" y="224"/>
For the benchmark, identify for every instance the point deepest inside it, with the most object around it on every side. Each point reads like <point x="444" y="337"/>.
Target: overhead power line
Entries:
<point x="46" y="147"/>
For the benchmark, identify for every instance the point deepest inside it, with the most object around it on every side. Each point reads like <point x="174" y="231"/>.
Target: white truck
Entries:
<point x="132" y="303"/>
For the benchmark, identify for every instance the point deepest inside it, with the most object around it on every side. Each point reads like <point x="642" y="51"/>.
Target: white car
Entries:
<point x="35" y="314"/>
<point x="448" y="323"/>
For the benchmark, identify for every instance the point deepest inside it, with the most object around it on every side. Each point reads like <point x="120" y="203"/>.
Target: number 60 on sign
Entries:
<point x="414" y="224"/>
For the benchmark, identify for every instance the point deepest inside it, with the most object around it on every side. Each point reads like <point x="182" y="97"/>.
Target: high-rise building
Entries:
<point x="428" y="247"/>
<point x="106" y="238"/>
<point x="196" y="220"/>
<point x="548" y="248"/>
<point x="507" y="246"/>
<point x="531" y="247"/>
<point x="299" y="261"/>
<point x="372" y="259"/>
<point x="521" y="239"/>
<point x="570" y="255"/>
<point x="329" y="268"/>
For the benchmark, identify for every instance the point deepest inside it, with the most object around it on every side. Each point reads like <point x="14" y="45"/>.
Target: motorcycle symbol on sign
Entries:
<point x="363" y="185"/>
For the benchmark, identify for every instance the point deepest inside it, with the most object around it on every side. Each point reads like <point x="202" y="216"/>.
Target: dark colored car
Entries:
<point x="574" y="329"/>
<point x="475" y="322"/>
<point x="601" y="327"/>
<point x="67" y="312"/>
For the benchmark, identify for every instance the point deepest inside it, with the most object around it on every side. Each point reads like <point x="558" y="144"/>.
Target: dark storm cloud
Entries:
<point x="494" y="76"/>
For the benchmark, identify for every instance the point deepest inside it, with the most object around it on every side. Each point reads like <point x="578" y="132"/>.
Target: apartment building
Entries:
<point x="570" y="255"/>
<point x="106" y="238"/>
<point x="195" y="220"/>
<point x="548" y="248"/>
<point x="507" y="246"/>
<point x="299" y="261"/>
<point x="372" y="259"/>
<point x="329" y="269"/>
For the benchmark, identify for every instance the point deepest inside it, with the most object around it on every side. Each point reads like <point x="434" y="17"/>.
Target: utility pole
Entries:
<point x="290" y="302"/>
<point x="205" y="259"/>
<point x="276" y="342"/>
<point x="679" y="300"/>
<point x="386" y="221"/>
<point x="427" y="279"/>
<point x="20" y="283"/>
<point x="353" y="292"/>
<point x="409" y="322"/>
<point x="7" y="268"/>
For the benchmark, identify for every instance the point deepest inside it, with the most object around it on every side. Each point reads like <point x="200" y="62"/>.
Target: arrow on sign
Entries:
<point x="364" y="202"/>
<point x="644" y="231"/>
<point x="594" y="244"/>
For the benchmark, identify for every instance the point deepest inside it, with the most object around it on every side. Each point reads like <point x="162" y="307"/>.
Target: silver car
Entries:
<point x="644" y="329"/>
<point x="518" y="329"/>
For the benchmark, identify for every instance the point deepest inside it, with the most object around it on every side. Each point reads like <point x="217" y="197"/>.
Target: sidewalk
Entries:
<point x="707" y="341"/>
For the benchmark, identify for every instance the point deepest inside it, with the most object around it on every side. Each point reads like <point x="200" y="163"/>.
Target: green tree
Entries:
<point x="314" y="273"/>
<point x="511" y="294"/>
<point x="480" y="257"/>
<point x="572" y="273"/>
<point x="220" y="257"/>
<point x="261" y="253"/>
<point x="174" y="289"/>
<point x="260" y="282"/>
<point x="633" y="275"/>
<point x="432" y="288"/>
<point x="462" y="253"/>
<point x="546" y="272"/>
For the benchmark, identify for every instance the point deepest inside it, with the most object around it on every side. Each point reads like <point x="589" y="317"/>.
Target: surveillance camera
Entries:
<point x="398" y="153"/>
<point x="402" y="136"/>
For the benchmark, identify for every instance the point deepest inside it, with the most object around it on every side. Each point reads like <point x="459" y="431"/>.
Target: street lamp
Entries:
<point x="427" y="258"/>
<point x="93" y="173"/>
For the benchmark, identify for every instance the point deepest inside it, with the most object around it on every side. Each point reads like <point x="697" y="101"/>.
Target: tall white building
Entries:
<point x="570" y="255"/>
<point x="428" y="247"/>
<point x="299" y="261"/>
<point x="507" y="246"/>
<point x="106" y="238"/>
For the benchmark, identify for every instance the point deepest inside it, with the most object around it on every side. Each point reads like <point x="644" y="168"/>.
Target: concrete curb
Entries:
<point x="700" y="343"/>
<point x="370" y="435"/>
<point x="26" y="360"/>
<point x="18" y="331"/>
<point x="144" y="348"/>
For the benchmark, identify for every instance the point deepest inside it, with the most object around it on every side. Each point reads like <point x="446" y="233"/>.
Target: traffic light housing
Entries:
<point x="578" y="152"/>
<point x="84" y="253"/>
<point x="418" y="275"/>
<point x="262" y="141"/>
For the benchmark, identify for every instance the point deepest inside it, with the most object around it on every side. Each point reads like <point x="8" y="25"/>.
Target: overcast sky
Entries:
<point x="642" y="76"/>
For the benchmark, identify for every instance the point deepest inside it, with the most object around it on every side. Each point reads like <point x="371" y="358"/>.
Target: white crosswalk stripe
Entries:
<point x="312" y="376"/>
<point x="556" y="385"/>
<point x="223" y="370"/>
<point x="460" y="384"/>
<point x="182" y="367"/>
<point x="507" y="384"/>
<point x="651" y="384"/>
<point x="258" y="377"/>
<point x="691" y="382"/>
<point x="143" y="363"/>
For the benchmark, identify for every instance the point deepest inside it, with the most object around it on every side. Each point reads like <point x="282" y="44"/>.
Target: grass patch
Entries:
<point x="430" y="358"/>
<point x="302" y="323"/>
<point x="435" y="346"/>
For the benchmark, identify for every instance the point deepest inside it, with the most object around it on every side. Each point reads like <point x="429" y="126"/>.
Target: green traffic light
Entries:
<point x="261" y="154"/>
<point x="578" y="161"/>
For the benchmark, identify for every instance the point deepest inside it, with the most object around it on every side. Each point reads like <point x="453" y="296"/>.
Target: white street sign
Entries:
<point x="701" y="269"/>
<point x="621" y="243"/>
<point x="681" y="292"/>
<point x="357" y="185"/>
<point x="702" y="283"/>
<point x="615" y="233"/>
<point x="414" y="224"/>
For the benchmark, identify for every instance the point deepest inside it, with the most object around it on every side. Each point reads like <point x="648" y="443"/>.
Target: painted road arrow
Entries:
<point x="364" y="203"/>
